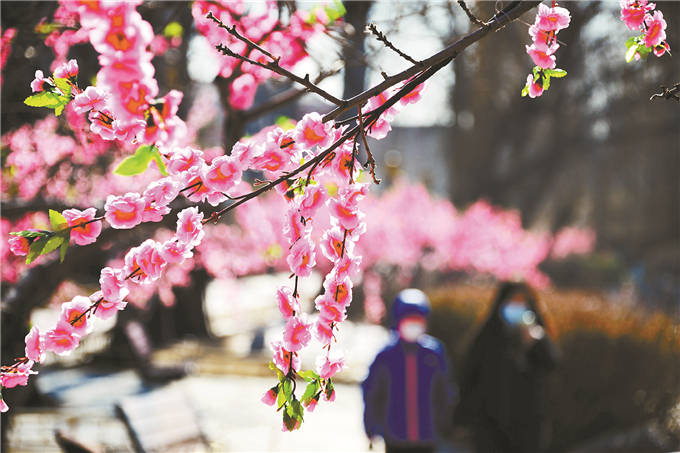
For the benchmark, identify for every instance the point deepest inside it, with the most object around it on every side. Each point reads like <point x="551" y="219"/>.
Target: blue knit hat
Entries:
<point x="410" y="302"/>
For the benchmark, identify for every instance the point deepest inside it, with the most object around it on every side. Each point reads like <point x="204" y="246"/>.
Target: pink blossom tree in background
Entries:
<point x="115" y="164"/>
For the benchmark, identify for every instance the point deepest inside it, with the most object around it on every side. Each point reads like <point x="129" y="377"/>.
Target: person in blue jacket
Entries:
<point x="407" y="393"/>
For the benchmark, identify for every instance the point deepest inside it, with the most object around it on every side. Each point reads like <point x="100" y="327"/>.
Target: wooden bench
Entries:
<point x="162" y="421"/>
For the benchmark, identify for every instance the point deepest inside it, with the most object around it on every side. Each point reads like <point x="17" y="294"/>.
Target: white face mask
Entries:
<point x="411" y="330"/>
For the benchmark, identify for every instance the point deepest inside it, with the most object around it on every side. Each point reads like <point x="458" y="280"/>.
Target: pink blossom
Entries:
<point x="35" y="345"/>
<point x="83" y="230"/>
<point x="269" y="398"/>
<point x="656" y="29"/>
<point x="633" y="12"/>
<point x="61" y="340"/>
<point x="68" y="70"/>
<point x="323" y="331"/>
<point x="329" y="366"/>
<point x="346" y="214"/>
<point x="222" y="174"/>
<point x="175" y="251"/>
<point x="302" y="257"/>
<point x="162" y="192"/>
<point x="414" y="96"/>
<point x="296" y="334"/>
<point x="293" y="229"/>
<point x="535" y="88"/>
<point x="152" y="212"/>
<point x="311" y="131"/>
<point x="348" y="266"/>
<point x="543" y="39"/>
<point x="183" y="159"/>
<point x="332" y="243"/>
<point x="329" y="310"/>
<point x="242" y="92"/>
<point x="18" y="245"/>
<point x="17" y="375"/>
<point x="542" y="58"/>
<point x="3" y="406"/>
<point x="313" y="199"/>
<point x="283" y="359"/>
<point x="555" y="18"/>
<point x="196" y="190"/>
<point x="661" y="49"/>
<point x="329" y="395"/>
<point x="189" y="226"/>
<point x="105" y="308"/>
<point x="38" y="84"/>
<point x="380" y="128"/>
<point x="148" y="259"/>
<point x="288" y="305"/>
<point x="114" y="287"/>
<point x="101" y="123"/>
<point x="91" y="98"/>
<point x="124" y="211"/>
<point x="311" y="404"/>
<point x="72" y="313"/>
<point x="340" y="288"/>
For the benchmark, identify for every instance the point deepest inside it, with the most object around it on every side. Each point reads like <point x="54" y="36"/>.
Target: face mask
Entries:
<point x="411" y="329"/>
<point x="515" y="312"/>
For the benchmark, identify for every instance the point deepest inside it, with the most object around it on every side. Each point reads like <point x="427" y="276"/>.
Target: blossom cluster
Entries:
<point x="123" y="104"/>
<point x="641" y="15"/>
<point x="263" y="27"/>
<point x="143" y="264"/>
<point x="549" y="21"/>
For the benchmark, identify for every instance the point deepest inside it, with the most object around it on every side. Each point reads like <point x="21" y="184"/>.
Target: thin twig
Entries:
<point x="370" y="161"/>
<point x="272" y="65"/>
<point x="382" y="38"/>
<point x="667" y="93"/>
<point x="500" y="20"/>
<point x="471" y="16"/>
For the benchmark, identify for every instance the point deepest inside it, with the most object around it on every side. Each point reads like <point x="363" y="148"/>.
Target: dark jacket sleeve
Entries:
<point x="375" y="391"/>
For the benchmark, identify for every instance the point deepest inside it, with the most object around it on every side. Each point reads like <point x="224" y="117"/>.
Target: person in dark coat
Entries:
<point x="407" y="394"/>
<point x="504" y="375"/>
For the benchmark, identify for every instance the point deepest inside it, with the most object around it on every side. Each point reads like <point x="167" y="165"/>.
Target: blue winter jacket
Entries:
<point x="388" y="402"/>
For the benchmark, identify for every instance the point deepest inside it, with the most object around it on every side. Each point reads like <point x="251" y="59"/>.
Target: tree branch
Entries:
<point x="382" y="38"/>
<point x="498" y="21"/>
<point x="273" y="65"/>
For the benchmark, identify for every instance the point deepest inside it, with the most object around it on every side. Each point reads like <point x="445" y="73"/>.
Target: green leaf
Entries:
<point x="280" y="400"/>
<point x="289" y="422"/>
<point x="557" y="73"/>
<point x="288" y="389"/>
<point x="285" y="123"/>
<point x="329" y="388"/>
<point x="335" y="10"/>
<point x="279" y="374"/>
<point x="63" y="249"/>
<point x="43" y="99"/>
<point x="632" y="50"/>
<point x="139" y="161"/>
<point x="28" y="234"/>
<point x="546" y="82"/>
<point x="310" y="392"/>
<point x="35" y="248"/>
<point x="309" y="375"/>
<point x="536" y="72"/>
<point x="159" y="162"/>
<point x="57" y="220"/>
<point x="644" y="51"/>
<point x="52" y="244"/>
<point x="173" y="30"/>
<point x="295" y="410"/>
<point x="64" y="86"/>
<point x="525" y="90"/>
